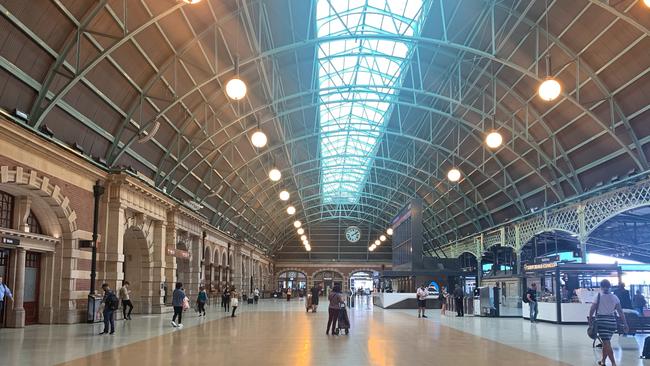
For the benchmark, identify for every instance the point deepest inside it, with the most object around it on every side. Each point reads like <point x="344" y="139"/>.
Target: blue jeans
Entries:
<point x="108" y="319"/>
<point x="532" y="305"/>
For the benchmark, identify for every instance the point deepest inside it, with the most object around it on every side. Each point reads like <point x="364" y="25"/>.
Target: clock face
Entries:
<point x="353" y="234"/>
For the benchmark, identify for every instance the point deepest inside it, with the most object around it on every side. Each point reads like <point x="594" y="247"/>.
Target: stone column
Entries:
<point x="170" y="261"/>
<point x="158" y="267"/>
<point x="235" y="267"/>
<point x="22" y="206"/>
<point x="17" y="318"/>
<point x="47" y="295"/>
<point x="110" y="255"/>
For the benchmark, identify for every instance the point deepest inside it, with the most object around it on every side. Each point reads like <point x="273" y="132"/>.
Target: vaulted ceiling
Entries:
<point x="140" y="84"/>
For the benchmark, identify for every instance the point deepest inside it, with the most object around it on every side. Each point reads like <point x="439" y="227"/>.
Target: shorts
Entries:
<point x="422" y="303"/>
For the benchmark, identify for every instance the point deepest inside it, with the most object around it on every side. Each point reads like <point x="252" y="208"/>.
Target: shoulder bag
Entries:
<point x="592" y="329"/>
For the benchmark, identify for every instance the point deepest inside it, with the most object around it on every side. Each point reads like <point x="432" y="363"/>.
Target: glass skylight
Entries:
<point x="358" y="78"/>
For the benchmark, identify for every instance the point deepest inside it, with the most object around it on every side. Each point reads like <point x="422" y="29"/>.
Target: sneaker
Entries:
<point x="424" y="316"/>
<point x="112" y="332"/>
<point x="174" y="324"/>
<point x="180" y="325"/>
<point x="102" y="333"/>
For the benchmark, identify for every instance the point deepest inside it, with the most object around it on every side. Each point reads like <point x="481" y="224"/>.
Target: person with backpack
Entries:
<point x="336" y="300"/>
<point x="531" y="298"/>
<point x="605" y="308"/>
<point x="201" y="300"/>
<point x="111" y="303"/>
<point x="178" y="298"/>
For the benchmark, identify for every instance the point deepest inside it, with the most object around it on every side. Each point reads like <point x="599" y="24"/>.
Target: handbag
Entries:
<point x="592" y="329"/>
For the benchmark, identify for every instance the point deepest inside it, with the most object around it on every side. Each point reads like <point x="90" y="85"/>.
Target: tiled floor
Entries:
<point x="275" y="332"/>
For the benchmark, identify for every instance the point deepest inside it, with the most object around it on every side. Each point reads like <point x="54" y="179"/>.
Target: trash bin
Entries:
<point x="94" y="303"/>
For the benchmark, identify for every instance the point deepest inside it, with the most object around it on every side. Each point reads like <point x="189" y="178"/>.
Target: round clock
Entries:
<point x="353" y="234"/>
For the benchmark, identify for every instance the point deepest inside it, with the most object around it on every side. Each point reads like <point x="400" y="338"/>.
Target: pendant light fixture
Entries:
<point x="297" y="224"/>
<point x="389" y="231"/>
<point x="382" y="238"/>
<point x="550" y="88"/>
<point x="377" y="242"/>
<point x="303" y="237"/>
<point x="301" y="231"/>
<point x="493" y="140"/>
<point x="191" y="1"/>
<point x="275" y="174"/>
<point x="284" y="196"/>
<point x="291" y="210"/>
<point x="453" y="175"/>
<point x="235" y="87"/>
<point x="258" y="139"/>
<point x="372" y="247"/>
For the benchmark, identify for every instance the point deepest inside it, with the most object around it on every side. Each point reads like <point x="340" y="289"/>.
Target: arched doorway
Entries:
<point x="362" y="282"/>
<point x="183" y="265"/>
<point x="328" y="279"/>
<point x="292" y="279"/>
<point x="137" y="269"/>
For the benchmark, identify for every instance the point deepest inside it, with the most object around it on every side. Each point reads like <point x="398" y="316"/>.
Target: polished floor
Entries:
<point x="275" y="332"/>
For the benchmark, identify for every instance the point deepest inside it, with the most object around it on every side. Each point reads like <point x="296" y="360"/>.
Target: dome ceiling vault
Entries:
<point x="140" y="85"/>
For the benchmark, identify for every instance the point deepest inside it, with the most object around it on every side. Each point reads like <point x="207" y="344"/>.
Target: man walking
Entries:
<point x="422" y="294"/>
<point x="624" y="296"/>
<point x="111" y="303"/>
<point x="531" y="295"/>
<point x="315" y="293"/>
<point x="458" y="298"/>
<point x="126" y="300"/>
<point x="4" y="293"/>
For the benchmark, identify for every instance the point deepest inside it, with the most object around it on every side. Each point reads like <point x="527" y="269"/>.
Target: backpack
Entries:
<point x="112" y="303"/>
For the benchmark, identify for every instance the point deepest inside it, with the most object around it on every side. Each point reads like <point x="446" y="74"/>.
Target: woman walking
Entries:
<point x="443" y="299"/>
<point x="234" y="301"/>
<point x="178" y="296"/>
<point x="201" y="300"/>
<point x="605" y="308"/>
<point x="336" y="299"/>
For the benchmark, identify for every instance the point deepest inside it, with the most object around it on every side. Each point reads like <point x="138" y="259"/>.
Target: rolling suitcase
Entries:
<point x="343" y="320"/>
<point x="308" y="303"/>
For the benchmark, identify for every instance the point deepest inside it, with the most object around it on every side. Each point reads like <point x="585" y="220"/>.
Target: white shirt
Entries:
<point x="607" y="304"/>
<point x="422" y="294"/>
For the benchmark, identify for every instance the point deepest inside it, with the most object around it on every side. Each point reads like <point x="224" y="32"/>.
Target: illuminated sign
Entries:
<point x="535" y="267"/>
<point x="184" y="254"/>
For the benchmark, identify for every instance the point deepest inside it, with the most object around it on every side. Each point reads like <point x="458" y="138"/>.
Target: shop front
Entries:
<point x="565" y="291"/>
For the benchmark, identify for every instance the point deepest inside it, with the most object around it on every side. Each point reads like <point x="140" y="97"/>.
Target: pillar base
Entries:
<point x="17" y="318"/>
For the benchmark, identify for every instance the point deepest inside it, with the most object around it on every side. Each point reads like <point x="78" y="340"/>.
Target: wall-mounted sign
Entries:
<point x="178" y="253"/>
<point x="10" y="241"/>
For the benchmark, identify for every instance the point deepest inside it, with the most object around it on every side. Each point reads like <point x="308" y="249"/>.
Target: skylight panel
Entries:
<point x="358" y="78"/>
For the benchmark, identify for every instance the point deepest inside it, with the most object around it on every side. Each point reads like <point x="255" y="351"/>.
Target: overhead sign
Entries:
<point x="553" y="258"/>
<point x="10" y="241"/>
<point x="536" y="267"/>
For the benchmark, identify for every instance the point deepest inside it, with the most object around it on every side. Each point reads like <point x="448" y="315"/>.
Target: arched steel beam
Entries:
<point x="277" y="205"/>
<point x="380" y="158"/>
<point x="469" y="128"/>
<point x="418" y="40"/>
<point x="82" y="73"/>
<point x="618" y="14"/>
<point x="72" y="39"/>
<point x="587" y="69"/>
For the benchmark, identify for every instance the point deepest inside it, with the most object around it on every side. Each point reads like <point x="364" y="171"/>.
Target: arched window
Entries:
<point x="33" y="224"/>
<point x="6" y="209"/>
